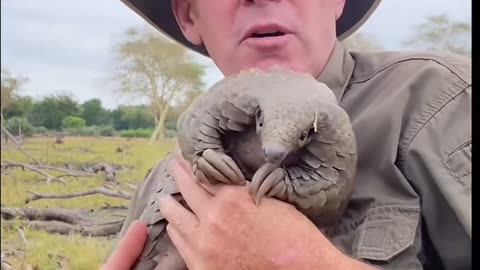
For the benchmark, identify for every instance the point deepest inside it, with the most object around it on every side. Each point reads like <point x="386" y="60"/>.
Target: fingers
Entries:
<point x="195" y="196"/>
<point x="128" y="249"/>
<point x="177" y="215"/>
<point x="178" y="240"/>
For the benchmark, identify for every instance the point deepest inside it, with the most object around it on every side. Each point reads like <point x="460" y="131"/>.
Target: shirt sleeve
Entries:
<point x="438" y="163"/>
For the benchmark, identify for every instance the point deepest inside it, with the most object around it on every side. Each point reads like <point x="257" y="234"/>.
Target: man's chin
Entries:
<point x="271" y="63"/>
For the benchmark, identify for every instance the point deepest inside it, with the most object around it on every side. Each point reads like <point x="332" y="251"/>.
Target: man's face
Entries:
<point x="240" y="34"/>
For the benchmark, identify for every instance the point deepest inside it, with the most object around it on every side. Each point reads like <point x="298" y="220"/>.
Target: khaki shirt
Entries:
<point x="411" y="113"/>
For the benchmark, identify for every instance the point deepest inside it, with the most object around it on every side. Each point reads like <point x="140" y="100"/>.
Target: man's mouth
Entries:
<point x="265" y="30"/>
<point x="267" y="34"/>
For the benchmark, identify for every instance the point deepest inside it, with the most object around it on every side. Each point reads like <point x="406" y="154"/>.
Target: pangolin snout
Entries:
<point x="275" y="152"/>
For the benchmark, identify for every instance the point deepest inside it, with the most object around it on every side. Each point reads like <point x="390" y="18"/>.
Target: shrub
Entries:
<point x="17" y="125"/>
<point x="136" y="133"/>
<point x="107" y="131"/>
<point x="92" y="131"/>
<point x="73" y="122"/>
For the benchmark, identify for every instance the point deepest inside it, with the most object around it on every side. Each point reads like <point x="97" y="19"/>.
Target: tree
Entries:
<point x="441" y="33"/>
<point x="132" y="117"/>
<point x="362" y="42"/>
<point x="51" y="110"/>
<point x="10" y="85"/>
<point x="94" y="113"/>
<point x="157" y="69"/>
<point x="21" y="106"/>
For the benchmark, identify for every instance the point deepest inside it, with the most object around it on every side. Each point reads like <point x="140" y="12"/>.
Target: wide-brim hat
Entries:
<point x="159" y="14"/>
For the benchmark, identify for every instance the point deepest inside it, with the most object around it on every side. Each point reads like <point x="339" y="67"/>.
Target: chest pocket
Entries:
<point x="387" y="237"/>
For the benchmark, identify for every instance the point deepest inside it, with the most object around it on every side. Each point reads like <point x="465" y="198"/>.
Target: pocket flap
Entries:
<point x="386" y="232"/>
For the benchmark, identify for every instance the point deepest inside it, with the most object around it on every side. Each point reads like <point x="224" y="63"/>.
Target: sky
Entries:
<point x="65" y="46"/>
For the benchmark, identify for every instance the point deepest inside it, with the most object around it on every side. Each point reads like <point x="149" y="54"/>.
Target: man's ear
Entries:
<point x="186" y="17"/>
<point x="339" y="8"/>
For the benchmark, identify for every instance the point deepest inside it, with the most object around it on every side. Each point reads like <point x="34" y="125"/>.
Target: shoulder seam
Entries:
<point x="407" y="60"/>
<point x="428" y="114"/>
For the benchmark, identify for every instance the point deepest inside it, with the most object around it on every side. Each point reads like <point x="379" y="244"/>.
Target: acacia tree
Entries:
<point x="362" y="42"/>
<point x="10" y="86"/>
<point x="152" y="67"/>
<point x="439" y="32"/>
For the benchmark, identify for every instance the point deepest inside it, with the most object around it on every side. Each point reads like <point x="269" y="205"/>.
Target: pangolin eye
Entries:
<point x="303" y="136"/>
<point x="259" y="118"/>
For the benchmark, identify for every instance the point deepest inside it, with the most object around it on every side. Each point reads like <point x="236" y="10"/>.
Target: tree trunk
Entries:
<point x="158" y="132"/>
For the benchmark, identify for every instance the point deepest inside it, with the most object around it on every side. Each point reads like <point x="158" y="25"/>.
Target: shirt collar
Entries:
<point x="338" y="70"/>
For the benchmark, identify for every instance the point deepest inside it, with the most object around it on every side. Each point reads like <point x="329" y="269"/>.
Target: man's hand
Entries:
<point x="227" y="231"/>
<point x="128" y="249"/>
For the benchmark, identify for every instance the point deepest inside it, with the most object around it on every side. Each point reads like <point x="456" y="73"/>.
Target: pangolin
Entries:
<point x="281" y="130"/>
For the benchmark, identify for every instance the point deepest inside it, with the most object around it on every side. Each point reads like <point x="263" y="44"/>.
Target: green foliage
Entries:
<point x="170" y="133"/>
<point x="19" y="125"/>
<point x="73" y="122"/>
<point x="441" y="33"/>
<point x="10" y="85"/>
<point x="21" y="106"/>
<point x="40" y="130"/>
<point x="171" y="125"/>
<point x="132" y="117"/>
<point x="92" y="131"/>
<point x="51" y="111"/>
<point x="136" y="133"/>
<point x="94" y="113"/>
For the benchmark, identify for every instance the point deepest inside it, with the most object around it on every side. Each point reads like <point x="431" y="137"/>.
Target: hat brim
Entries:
<point x="159" y="14"/>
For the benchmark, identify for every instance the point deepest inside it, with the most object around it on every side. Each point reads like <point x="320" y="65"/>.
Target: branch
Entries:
<point x="18" y="145"/>
<point x="74" y="217"/>
<point x="98" y="190"/>
<point x="8" y="164"/>
<point x="66" y="229"/>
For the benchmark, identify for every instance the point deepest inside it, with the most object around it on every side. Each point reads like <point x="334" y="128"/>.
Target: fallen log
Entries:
<point x="74" y="217"/>
<point x="7" y="164"/>
<point x="97" y="190"/>
<point x="65" y="228"/>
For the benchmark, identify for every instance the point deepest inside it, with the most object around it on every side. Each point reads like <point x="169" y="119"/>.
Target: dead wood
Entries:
<point x="97" y="190"/>
<point x="69" y="216"/>
<point x="22" y="236"/>
<point x="7" y="164"/>
<point x="18" y="146"/>
<point x="65" y="228"/>
<point x="110" y="173"/>
<point x="65" y="171"/>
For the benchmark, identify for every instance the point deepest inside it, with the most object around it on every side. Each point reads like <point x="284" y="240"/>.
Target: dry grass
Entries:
<point x="44" y="250"/>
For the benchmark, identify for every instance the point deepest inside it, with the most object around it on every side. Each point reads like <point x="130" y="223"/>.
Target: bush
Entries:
<point x="170" y="125"/>
<point x="73" y="122"/>
<point x="40" y="130"/>
<point x="170" y="133"/>
<point x="136" y="133"/>
<point x="17" y="125"/>
<point x="107" y="131"/>
<point x="92" y="131"/>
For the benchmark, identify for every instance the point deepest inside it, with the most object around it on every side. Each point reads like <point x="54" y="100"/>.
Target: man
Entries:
<point x="411" y="112"/>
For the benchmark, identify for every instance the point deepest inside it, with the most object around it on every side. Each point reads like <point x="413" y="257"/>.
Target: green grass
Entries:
<point x="43" y="249"/>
